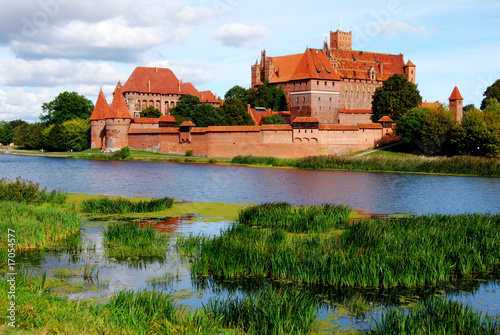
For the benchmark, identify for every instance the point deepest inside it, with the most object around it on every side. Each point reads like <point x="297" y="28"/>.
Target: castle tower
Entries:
<point x="410" y="72"/>
<point x="457" y="104"/>
<point x="118" y="122"/>
<point x="340" y="40"/>
<point x="98" y="122"/>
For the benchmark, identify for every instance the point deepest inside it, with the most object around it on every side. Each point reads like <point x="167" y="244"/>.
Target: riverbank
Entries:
<point x="390" y="159"/>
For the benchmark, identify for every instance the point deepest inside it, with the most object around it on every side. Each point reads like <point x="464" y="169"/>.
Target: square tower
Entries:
<point x="340" y="40"/>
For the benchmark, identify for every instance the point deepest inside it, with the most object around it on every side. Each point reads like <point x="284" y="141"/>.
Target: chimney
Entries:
<point x="279" y="71"/>
<point x="156" y="69"/>
<point x="381" y="69"/>
<point x="149" y="85"/>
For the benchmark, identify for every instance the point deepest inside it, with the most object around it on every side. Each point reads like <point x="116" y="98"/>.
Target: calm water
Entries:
<point x="382" y="193"/>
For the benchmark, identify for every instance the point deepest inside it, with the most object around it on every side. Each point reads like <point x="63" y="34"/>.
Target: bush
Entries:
<point x="189" y="152"/>
<point x="26" y="191"/>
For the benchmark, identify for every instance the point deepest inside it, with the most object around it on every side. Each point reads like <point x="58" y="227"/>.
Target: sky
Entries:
<point x="51" y="46"/>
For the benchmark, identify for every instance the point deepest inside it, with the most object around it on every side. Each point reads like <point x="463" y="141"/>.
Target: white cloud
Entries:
<point x="412" y="27"/>
<point x="49" y="72"/>
<point x="240" y="35"/>
<point x="20" y="104"/>
<point x="188" y="71"/>
<point x="181" y="13"/>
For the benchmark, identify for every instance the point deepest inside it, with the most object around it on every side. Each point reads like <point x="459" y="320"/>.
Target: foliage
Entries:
<point x="53" y="138"/>
<point x="25" y="191"/>
<point x="436" y="316"/>
<point x="189" y="152"/>
<point x="394" y="98"/>
<point x="123" y="206"/>
<point x="66" y="106"/>
<point x="236" y="92"/>
<point x="6" y="132"/>
<point x="274" y="119"/>
<point x="75" y="134"/>
<point x="235" y="113"/>
<point x="151" y="112"/>
<point x="268" y="96"/>
<point x="205" y="115"/>
<point x="185" y="105"/>
<point x="492" y="91"/>
<point x="20" y="134"/>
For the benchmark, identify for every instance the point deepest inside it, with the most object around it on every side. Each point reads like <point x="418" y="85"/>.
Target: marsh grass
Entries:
<point x="37" y="227"/>
<point x="130" y="239"/>
<point x="25" y="191"/>
<point x="295" y="219"/>
<point x="461" y="165"/>
<point x="270" y="311"/>
<point x="124" y="206"/>
<point x="403" y="252"/>
<point x="436" y="316"/>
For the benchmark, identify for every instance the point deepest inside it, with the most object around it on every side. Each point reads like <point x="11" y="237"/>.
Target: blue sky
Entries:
<point x="51" y="46"/>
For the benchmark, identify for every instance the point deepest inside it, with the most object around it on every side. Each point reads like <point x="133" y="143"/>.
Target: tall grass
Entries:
<point x="269" y="312"/>
<point x="404" y="252"/>
<point x="295" y="220"/>
<point x="130" y="239"/>
<point x="463" y="165"/>
<point x="124" y="206"/>
<point x="36" y="227"/>
<point x="26" y="191"/>
<point x="436" y="316"/>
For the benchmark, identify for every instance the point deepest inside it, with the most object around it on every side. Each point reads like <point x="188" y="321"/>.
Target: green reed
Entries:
<point x="295" y="220"/>
<point x="436" y="316"/>
<point x="36" y="227"/>
<point x="403" y="252"/>
<point x="124" y="206"/>
<point x="270" y="311"/>
<point x="26" y="191"/>
<point x="130" y="239"/>
<point x="467" y="165"/>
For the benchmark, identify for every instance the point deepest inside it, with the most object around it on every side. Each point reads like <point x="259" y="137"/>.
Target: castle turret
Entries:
<point x="340" y="40"/>
<point x="98" y="122"/>
<point x="457" y="104"/>
<point x="410" y="70"/>
<point x="118" y="122"/>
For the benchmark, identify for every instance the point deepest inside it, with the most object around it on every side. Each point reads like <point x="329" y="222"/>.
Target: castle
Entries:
<point x="329" y="93"/>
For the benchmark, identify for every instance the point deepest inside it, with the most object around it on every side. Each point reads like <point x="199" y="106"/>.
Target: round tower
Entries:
<point x="118" y="121"/>
<point x="98" y="122"/>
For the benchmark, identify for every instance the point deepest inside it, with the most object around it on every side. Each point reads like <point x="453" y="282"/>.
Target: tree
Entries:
<point x="53" y="138"/>
<point x="34" y="136"/>
<point x="20" y="134"/>
<point x="395" y="98"/>
<point x="66" y="106"/>
<point x="151" y="112"/>
<point x="235" y="113"/>
<point x="205" y="115"/>
<point x="274" y="119"/>
<point x="236" y="92"/>
<point x="6" y="132"/>
<point x="492" y="92"/>
<point x="76" y="133"/>
<point x="185" y="105"/>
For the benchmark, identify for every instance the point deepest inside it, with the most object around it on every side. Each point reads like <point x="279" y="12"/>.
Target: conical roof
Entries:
<point x="119" y="108"/>
<point x="455" y="95"/>
<point x="101" y="108"/>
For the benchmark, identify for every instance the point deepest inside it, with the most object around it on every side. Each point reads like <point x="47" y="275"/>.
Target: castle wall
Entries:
<point x="117" y="133"/>
<point x="97" y="133"/>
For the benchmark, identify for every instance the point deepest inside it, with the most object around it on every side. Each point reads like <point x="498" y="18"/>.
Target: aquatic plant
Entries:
<point x="295" y="220"/>
<point x="36" y="227"/>
<point x="21" y="190"/>
<point x="130" y="239"/>
<point x="436" y="316"/>
<point x="463" y="165"/>
<point x="124" y="206"/>
<point x="270" y="311"/>
<point x="403" y="252"/>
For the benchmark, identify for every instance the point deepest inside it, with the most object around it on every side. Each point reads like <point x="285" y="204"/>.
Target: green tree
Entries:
<point x="66" y="106"/>
<point x="492" y="92"/>
<point x="185" y="105"/>
<point x="34" y="139"/>
<point x="236" y="92"/>
<point x="410" y="125"/>
<point x="6" y="132"/>
<point x="17" y="123"/>
<point x="274" y="119"/>
<point x="235" y="113"/>
<point x="151" y="112"/>
<point x="20" y="134"/>
<point x="468" y="108"/>
<point x="53" y="138"/>
<point x="394" y="98"/>
<point x="205" y="115"/>
<point x="76" y="133"/>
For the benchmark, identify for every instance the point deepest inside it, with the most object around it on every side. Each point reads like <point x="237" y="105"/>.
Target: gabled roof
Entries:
<point x="187" y="124"/>
<point x="385" y="118"/>
<point x="358" y="64"/>
<point x="153" y="80"/>
<point x="118" y="108"/>
<point x="312" y="64"/>
<point x="167" y="118"/>
<point x="455" y="95"/>
<point x="101" y="108"/>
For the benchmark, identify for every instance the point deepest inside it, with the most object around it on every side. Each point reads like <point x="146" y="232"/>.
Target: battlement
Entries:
<point x="340" y="40"/>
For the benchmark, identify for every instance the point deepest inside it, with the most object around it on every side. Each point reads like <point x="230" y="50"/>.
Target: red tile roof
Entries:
<point x="385" y="118"/>
<point x="276" y="127"/>
<point x="146" y="120"/>
<point x="258" y="115"/>
<point x="165" y="118"/>
<point x="305" y="119"/>
<point x="357" y="64"/>
<point x="312" y="64"/>
<point x="187" y="124"/>
<point x="101" y="108"/>
<point x="355" y="111"/>
<point x="118" y="108"/>
<point x="153" y="131"/>
<point x="369" y="126"/>
<point x="455" y="95"/>
<point x="338" y="127"/>
<point x="430" y="104"/>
